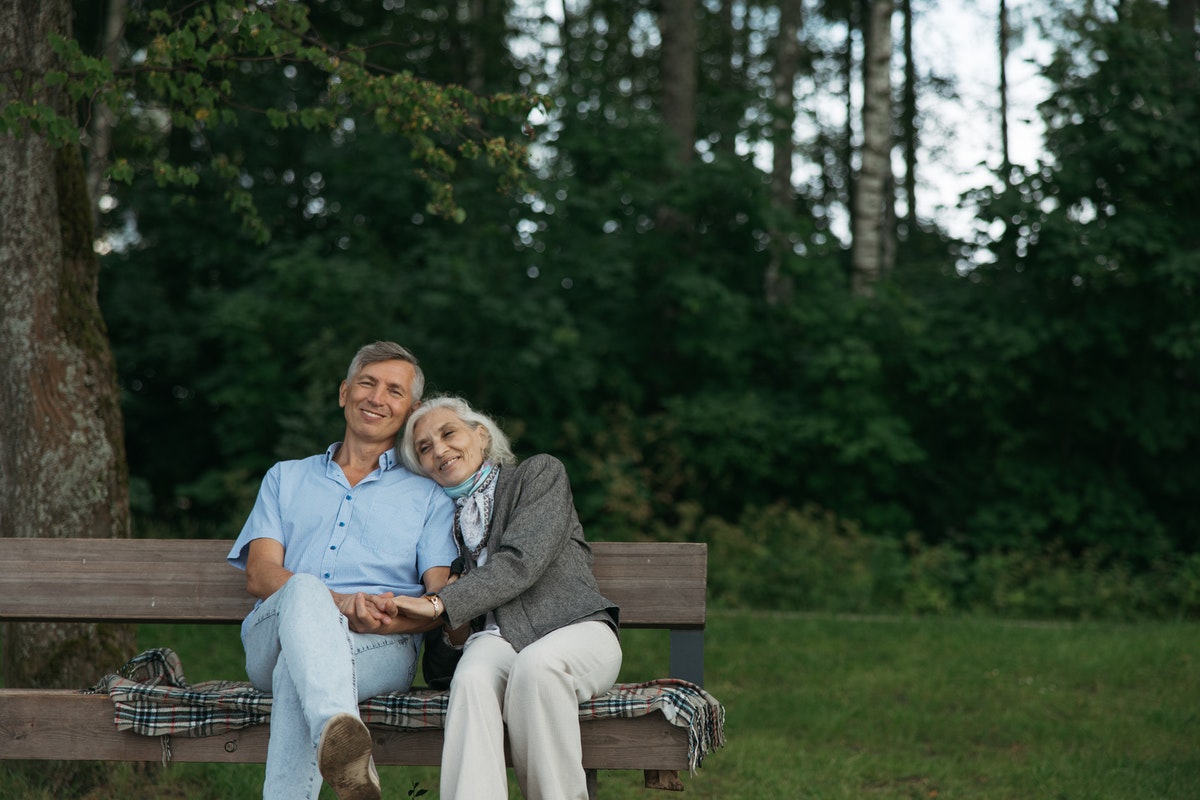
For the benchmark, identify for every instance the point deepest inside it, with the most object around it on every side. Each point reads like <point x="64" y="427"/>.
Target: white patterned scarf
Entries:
<point x="473" y="507"/>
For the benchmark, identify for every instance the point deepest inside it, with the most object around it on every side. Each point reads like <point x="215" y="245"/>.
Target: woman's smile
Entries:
<point x="449" y="450"/>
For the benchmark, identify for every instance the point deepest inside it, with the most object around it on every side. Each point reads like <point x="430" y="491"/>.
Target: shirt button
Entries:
<point x="341" y="524"/>
<point x="333" y="547"/>
<point x="349" y="497"/>
<point x="326" y="574"/>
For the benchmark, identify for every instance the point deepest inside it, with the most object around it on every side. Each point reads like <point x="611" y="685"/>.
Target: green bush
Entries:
<point x="783" y="558"/>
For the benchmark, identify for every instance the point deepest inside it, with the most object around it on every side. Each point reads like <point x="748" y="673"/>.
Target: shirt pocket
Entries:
<point x="393" y="528"/>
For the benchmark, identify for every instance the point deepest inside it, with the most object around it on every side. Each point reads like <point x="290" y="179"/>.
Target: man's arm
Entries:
<point x="265" y="573"/>
<point x="435" y="578"/>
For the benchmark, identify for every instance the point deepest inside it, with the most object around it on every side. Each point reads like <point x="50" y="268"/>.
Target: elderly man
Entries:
<point x="330" y="538"/>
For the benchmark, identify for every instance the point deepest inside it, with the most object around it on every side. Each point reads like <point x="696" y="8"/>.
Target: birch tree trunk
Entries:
<point x="855" y="12"/>
<point x="62" y="454"/>
<point x="871" y="251"/>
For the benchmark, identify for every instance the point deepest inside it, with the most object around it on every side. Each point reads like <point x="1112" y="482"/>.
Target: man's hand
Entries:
<point x="365" y="613"/>
<point x="377" y="613"/>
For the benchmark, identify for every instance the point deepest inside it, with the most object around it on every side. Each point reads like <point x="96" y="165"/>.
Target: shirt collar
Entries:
<point x="387" y="460"/>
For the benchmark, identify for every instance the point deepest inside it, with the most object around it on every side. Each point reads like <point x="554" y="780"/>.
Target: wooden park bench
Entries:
<point x="657" y="585"/>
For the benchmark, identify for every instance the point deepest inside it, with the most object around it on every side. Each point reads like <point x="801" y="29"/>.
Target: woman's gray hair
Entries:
<point x="388" y="351"/>
<point x="498" y="449"/>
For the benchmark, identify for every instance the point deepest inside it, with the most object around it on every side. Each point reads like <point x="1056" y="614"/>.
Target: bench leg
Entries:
<point x="687" y="656"/>
<point x="593" y="782"/>
<point x="667" y="779"/>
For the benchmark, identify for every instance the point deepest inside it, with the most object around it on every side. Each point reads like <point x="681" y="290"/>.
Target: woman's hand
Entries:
<point x="417" y="608"/>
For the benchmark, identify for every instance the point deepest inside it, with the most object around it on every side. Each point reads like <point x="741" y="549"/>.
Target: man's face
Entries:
<point x="377" y="401"/>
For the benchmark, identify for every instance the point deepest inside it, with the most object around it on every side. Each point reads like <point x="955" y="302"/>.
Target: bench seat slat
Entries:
<point x="46" y="724"/>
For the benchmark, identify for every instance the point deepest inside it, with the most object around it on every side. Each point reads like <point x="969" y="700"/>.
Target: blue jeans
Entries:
<point x="301" y="650"/>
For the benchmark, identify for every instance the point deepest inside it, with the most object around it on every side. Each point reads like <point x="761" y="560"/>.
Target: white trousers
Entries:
<point x="301" y="650"/>
<point x="537" y="693"/>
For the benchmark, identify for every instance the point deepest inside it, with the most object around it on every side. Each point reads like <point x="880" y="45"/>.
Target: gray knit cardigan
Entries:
<point x="538" y="575"/>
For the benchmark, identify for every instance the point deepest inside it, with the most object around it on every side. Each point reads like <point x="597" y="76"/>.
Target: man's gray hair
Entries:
<point x="498" y="449"/>
<point x="388" y="351"/>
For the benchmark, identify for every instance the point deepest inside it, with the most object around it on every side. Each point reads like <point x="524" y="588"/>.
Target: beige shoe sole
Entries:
<point x="344" y="757"/>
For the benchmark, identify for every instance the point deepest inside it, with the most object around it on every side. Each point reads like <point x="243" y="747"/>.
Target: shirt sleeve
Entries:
<point x="437" y="547"/>
<point x="264" y="522"/>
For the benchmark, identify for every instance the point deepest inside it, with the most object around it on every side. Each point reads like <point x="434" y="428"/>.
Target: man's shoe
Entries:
<point x="344" y="757"/>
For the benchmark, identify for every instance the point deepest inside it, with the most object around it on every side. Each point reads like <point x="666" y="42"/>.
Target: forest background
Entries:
<point x="710" y="294"/>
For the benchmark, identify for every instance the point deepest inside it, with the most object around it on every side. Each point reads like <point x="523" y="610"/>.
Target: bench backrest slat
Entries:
<point x="657" y="585"/>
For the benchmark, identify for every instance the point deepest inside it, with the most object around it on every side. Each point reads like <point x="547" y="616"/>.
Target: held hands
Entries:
<point x="387" y="613"/>
<point x="366" y="613"/>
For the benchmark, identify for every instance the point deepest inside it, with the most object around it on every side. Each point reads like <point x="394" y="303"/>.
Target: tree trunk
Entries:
<point x="854" y="15"/>
<point x="1181" y="14"/>
<point x="1003" y="32"/>
<point x="62" y="454"/>
<point x="100" y="131"/>
<point x="909" y="120"/>
<point x="677" y="25"/>
<point x="783" y="123"/>
<point x="870" y="250"/>
<point x="722" y="116"/>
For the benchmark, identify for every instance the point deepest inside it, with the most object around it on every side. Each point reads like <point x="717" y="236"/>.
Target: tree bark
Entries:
<point x="871" y="252"/>
<point x="909" y="120"/>
<point x="62" y="453"/>
<point x="783" y="123"/>
<point x="103" y="121"/>
<point x="677" y="25"/>
<point x="722" y="117"/>
<point x="1003" y="33"/>
<point x="1181" y="14"/>
<point x="854" y="15"/>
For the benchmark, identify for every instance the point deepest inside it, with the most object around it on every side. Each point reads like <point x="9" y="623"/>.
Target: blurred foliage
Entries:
<point x="785" y="558"/>
<point x="1007" y="433"/>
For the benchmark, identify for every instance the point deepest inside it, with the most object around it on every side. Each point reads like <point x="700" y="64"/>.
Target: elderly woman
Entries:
<point x="542" y="639"/>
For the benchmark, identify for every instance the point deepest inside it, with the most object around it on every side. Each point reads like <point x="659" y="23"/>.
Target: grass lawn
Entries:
<point x="828" y="707"/>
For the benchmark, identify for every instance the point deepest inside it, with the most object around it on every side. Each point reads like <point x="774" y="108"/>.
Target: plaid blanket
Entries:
<point x="151" y="697"/>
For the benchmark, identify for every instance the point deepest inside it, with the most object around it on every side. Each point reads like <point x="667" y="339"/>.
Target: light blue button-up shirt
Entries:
<point x="378" y="536"/>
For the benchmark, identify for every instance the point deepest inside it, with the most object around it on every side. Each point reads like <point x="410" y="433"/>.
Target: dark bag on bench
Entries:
<point x="438" y="660"/>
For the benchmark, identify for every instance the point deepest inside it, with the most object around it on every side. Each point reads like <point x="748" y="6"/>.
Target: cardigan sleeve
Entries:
<point x="537" y="526"/>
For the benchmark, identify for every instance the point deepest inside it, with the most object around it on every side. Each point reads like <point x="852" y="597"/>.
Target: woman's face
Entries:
<point x="448" y="449"/>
